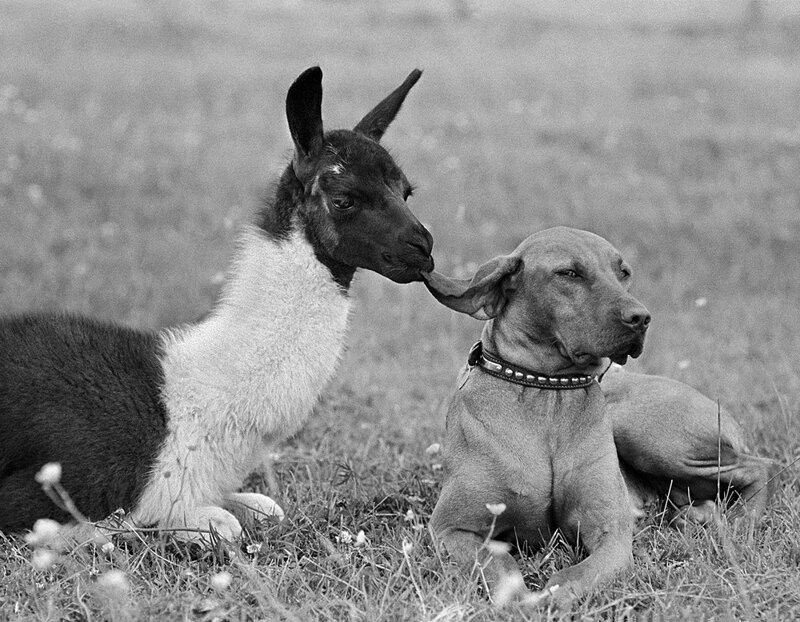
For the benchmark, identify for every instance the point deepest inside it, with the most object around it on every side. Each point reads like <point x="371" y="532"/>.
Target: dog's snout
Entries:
<point x="637" y="318"/>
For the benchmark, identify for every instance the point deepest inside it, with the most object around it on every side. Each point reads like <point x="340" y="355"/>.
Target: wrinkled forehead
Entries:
<point x="560" y="246"/>
<point x="351" y="153"/>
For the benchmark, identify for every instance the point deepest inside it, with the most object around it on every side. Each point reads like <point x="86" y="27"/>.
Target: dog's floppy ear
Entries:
<point x="484" y="295"/>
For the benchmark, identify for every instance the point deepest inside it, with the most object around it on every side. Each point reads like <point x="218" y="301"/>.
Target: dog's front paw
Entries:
<point x="551" y="596"/>
<point x="510" y="588"/>
<point x="251" y="507"/>
<point x="199" y="524"/>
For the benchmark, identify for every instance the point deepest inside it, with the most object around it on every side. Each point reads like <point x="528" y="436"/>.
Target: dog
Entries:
<point x="539" y="438"/>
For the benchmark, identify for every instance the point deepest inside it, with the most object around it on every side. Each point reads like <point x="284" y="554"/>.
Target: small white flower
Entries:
<point x="221" y="581"/>
<point x="515" y="106"/>
<point x="407" y="547"/>
<point x="254" y="547"/>
<point x="218" y="278"/>
<point x="495" y="547"/>
<point x="42" y="559"/>
<point x="496" y="509"/>
<point x="409" y="516"/>
<point x="8" y="91"/>
<point x="49" y="474"/>
<point x="107" y="548"/>
<point x="344" y="537"/>
<point x="507" y="589"/>
<point x="536" y="598"/>
<point x="113" y="581"/>
<point x="35" y="194"/>
<point x="44" y="530"/>
<point x="361" y="538"/>
<point x="433" y="449"/>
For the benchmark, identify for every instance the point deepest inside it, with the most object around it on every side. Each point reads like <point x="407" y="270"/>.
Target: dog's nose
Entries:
<point x="636" y="318"/>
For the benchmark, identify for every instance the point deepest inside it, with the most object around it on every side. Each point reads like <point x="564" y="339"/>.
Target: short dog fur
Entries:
<point x="582" y="460"/>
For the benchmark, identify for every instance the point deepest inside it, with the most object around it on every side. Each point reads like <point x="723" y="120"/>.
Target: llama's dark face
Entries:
<point x="357" y="202"/>
<point x="355" y="195"/>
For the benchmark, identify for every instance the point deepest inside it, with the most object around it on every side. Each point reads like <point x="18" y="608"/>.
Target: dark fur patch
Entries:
<point x="82" y="393"/>
<point x="281" y="214"/>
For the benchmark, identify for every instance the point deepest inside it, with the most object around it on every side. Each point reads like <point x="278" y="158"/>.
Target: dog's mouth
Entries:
<point x="578" y="358"/>
<point x="632" y="350"/>
<point x="585" y="359"/>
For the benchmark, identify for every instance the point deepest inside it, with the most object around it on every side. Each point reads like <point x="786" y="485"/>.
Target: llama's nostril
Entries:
<point x="422" y="246"/>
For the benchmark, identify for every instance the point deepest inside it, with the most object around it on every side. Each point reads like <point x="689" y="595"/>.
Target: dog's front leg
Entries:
<point x="490" y="561"/>
<point x="593" y="510"/>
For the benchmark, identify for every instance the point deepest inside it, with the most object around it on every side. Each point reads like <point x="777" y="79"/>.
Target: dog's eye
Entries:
<point x="342" y="203"/>
<point x="570" y="274"/>
<point x="625" y="271"/>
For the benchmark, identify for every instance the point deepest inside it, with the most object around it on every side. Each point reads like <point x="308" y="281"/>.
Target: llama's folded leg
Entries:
<point x="197" y="524"/>
<point x="251" y="507"/>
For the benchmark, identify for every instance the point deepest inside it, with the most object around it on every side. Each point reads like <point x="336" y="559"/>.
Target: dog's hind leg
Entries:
<point x="682" y="444"/>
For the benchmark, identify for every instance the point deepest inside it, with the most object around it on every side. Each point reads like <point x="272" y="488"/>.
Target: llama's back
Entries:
<point x="82" y="393"/>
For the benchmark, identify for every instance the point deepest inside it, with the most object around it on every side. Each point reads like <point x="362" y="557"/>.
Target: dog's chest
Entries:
<point x="523" y="435"/>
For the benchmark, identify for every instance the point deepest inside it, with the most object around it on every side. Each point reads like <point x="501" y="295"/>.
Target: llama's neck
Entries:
<point x="258" y="363"/>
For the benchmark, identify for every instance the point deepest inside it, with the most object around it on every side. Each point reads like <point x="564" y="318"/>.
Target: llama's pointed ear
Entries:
<point x="304" y="113"/>
<point x="376" y="121"/>
<point x="484" y="295"/>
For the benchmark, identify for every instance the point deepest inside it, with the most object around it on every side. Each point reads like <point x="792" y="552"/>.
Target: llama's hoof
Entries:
<point x="206" y="519"/>
<point x="251" y="507"/>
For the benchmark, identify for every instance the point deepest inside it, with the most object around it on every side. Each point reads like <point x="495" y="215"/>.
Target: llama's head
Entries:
<point x="353" y="198"/>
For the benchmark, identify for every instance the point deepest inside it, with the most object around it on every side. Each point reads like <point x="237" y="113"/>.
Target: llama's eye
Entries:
<point x="342" y="203"/>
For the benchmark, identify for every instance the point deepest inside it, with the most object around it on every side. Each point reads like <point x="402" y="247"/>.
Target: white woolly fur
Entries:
<point x="248" y="375"/>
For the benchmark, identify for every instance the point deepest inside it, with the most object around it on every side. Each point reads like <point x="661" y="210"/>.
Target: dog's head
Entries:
<point x="562" y="290"/>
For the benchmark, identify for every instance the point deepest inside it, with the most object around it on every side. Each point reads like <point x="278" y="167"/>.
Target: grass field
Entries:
<point x="136" y="137"/>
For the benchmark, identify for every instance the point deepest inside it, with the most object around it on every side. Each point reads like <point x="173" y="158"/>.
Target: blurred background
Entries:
<point x="137" y="137"/>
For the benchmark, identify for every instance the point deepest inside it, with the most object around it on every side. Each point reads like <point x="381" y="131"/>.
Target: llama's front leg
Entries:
<point x="251" y="507"/>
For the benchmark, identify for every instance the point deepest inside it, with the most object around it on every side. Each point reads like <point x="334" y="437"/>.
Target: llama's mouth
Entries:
<point x="406" y="271"/>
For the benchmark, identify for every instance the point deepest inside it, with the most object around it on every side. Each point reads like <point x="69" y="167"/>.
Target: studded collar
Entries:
<point x="497" y="367"/>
